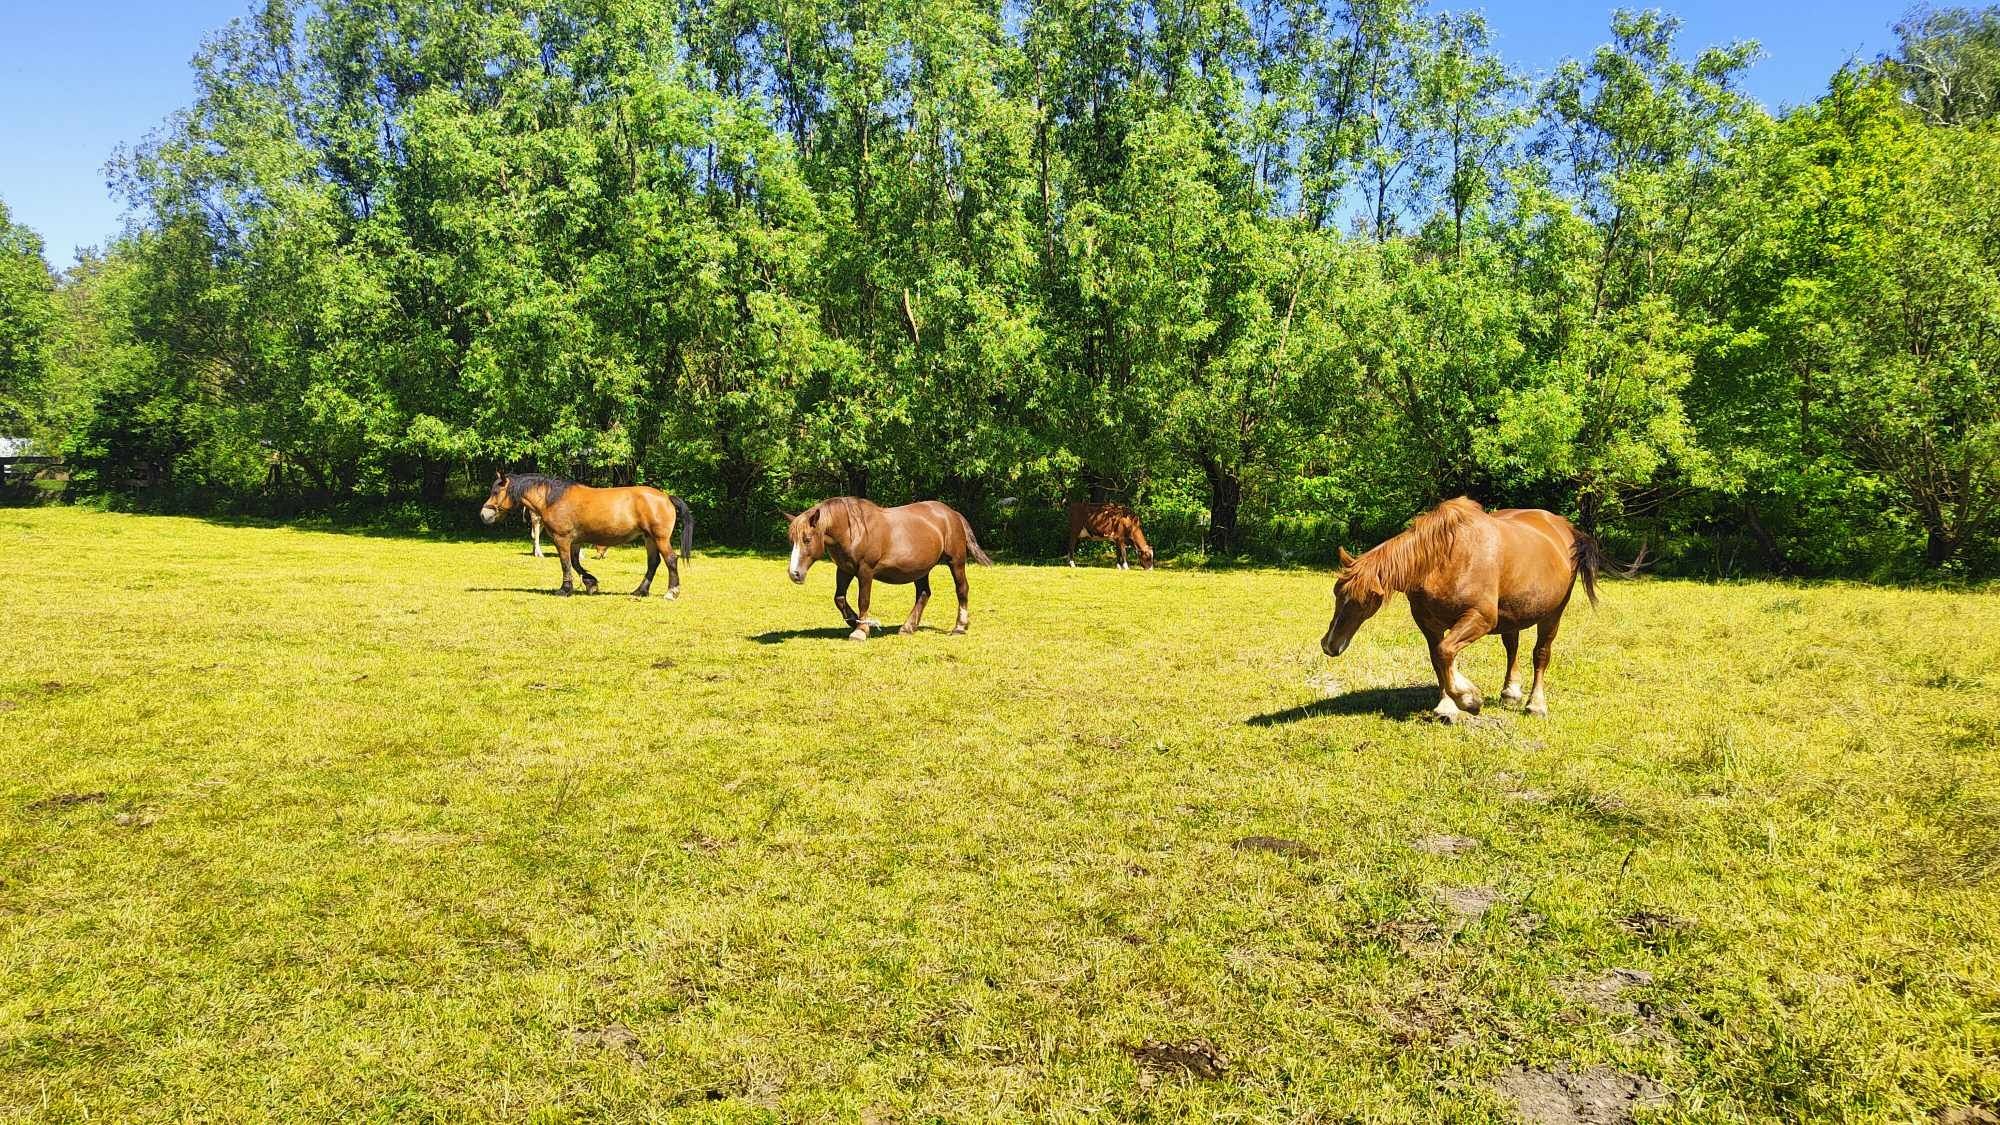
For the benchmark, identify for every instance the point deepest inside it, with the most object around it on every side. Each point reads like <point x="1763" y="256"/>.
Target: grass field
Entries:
<point x="299" y="825"/>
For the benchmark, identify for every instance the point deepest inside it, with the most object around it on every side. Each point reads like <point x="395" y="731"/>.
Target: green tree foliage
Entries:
<point x="1279" y="271"/>
<point x="29" y="325"/>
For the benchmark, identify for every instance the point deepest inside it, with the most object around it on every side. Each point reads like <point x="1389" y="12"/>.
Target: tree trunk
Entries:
<point x="1225" y="496"/>
<point x="1774" y="558"/>
<point x="1939" y="546"/>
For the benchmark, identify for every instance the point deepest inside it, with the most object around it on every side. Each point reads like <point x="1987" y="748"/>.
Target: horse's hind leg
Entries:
<point x="652" y="564"/>
<point x="576" y="560"/>
<point x="964" y="595"/>
<point x="1512" y="692"/>
<point x="1122" y="563"/>
<point x="535" y="523"/>
<point x="665" y="546"/>
<point x="917" y="610"/>
<point x="1545" y="643"/>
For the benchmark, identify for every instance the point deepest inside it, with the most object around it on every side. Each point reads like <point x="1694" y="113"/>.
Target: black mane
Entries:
<point x="521" y="482"/>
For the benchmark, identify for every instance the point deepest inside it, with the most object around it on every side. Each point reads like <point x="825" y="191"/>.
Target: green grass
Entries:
<point x="299" y="825"/>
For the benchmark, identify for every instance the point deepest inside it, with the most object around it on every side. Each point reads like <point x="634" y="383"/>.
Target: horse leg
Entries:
<point x="576" y="560"/>
<point x="652" y="564"/>
<point x="917" y="610"/>
<point x="862" y="626"/>
<point x="562" y="556"/>
<point x="1512" y="692"/>
<point x="603" y="549"/>
<point x="535" y="523"/>
<point x="1122" y="563"/>
<point x="1545" y="643"/>
<point x="847" y="614"/>
<point x="1460" y="694"/>
<point x="665" y="546"/>
<point x="1070" y="552"/>
<point x="964" y="595"/>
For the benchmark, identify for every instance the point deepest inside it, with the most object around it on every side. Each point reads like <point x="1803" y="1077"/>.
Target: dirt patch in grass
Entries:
<point x="1468" y="902"/>
<point x="1445" y="845"/>
<point x="1656" y="930"/>
<point x="1277" y="845"/>
<point x="1197" y="1057"/>
<point x="612" y="1038"/>
<point x="67" y="800"/>
<point x="1562" y="1096"/>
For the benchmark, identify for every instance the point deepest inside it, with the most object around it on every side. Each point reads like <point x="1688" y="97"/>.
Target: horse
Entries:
<point x="577" y="514"/>
<point x="535" y="531"/>
<point x="1115" y="522"/>
<point x="897" y="545"/>
<point x="1468" y="572"/>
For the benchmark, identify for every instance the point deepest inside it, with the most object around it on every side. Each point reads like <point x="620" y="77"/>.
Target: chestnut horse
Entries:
<point x="898" y="545"/>
<point x="577" y="514"/>
<point x="1115" y="522"/>
<point x="1469" y="572"/>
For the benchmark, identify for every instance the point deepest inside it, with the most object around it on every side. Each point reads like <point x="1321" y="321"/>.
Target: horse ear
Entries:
<point x="812" y="517"/>
<point x="1345" y="558"/>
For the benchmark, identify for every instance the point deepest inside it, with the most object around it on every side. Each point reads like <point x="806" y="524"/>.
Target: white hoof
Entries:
<point x="858" y="635"/>
<point x="1511" y="695"/>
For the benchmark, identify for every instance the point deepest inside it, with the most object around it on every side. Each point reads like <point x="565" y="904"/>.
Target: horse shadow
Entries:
<point x="780" y="636"/>
<point x="546" y="591"/>
<point x="1394" y="703"/>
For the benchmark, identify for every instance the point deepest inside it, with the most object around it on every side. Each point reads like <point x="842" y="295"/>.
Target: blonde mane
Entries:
<point x="1403" y="561"/>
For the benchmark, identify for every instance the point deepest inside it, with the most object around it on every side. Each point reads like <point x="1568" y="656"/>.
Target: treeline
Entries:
<point x="1281" y="272"/>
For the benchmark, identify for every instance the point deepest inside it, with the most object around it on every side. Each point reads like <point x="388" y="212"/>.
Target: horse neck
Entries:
<point x="535" y="499"/>
<point x="1402" y="563"/>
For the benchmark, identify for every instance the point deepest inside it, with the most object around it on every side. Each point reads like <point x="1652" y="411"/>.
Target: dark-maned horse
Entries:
<point x="873" y="543"/>
<point x="1469" y="572"/>
<point x="1115" y="522"/>
<point x="577" y="514"/>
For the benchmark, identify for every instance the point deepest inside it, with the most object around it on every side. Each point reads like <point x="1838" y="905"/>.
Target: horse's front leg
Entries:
<point x="847" y="613"/>
<point x="1123" y="564"/>
<point x="562" y="556"/>
<point x="1457" y="688"/>
<point x="917" y="610"/>
<point x="866" y="622"/>
<point x="535" y="524"/>
<point x="576" y="562"/>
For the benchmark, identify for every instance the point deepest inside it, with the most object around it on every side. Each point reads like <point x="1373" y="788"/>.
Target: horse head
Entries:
<point x="500" y="501"/>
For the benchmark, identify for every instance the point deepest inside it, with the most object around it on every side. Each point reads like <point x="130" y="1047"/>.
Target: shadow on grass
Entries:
<point x="780" y="636"/>
<point x="545" y="591"/>
<point x="1394" y="703"/>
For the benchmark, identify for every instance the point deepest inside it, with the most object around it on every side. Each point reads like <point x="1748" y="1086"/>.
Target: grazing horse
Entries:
<point x="1469" y="572"/>
<point x="898" y="545"/>
<point x="535" y="529"/>
<point x="577" y="514"/>
<point x="1115" y="522"/>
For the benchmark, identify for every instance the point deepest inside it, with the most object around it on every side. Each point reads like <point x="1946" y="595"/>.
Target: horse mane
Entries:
<point x="1402" y="561"/>
<point x="522" y="482"/>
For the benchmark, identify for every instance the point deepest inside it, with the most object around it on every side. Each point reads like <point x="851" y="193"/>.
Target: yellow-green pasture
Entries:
<point x="311" y="826"/>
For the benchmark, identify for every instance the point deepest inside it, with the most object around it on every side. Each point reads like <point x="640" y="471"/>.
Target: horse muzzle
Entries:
<point x="488" y="514"/>
<point x="1332" y="647"/>
<point x="798" y="577"/>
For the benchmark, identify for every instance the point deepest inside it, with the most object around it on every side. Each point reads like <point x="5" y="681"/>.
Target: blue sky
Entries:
<point x="78" y="78"/>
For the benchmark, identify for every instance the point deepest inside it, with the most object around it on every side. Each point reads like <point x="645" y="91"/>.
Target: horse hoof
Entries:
<point x="673" y="595"/>
<point x="1538" y="712"/>
<point x="858" y="635"/>
<point x="565" y="591"/>
<point x="908" y="630"/>
<point x="958" y="632"/>
<point x="1510" y="697"/>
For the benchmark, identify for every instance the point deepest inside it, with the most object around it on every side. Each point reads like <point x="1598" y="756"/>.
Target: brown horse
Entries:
<point x="1467" y="573"/>
<point x="577" y="514"/>
<point x="1115" y="522"/>
<point x="898" y="545"/>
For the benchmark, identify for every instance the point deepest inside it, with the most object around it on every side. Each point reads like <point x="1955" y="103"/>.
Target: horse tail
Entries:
<point x="1588" y="559"/>
<point x="972" y="541"/>
<point x="686" y="516"/>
